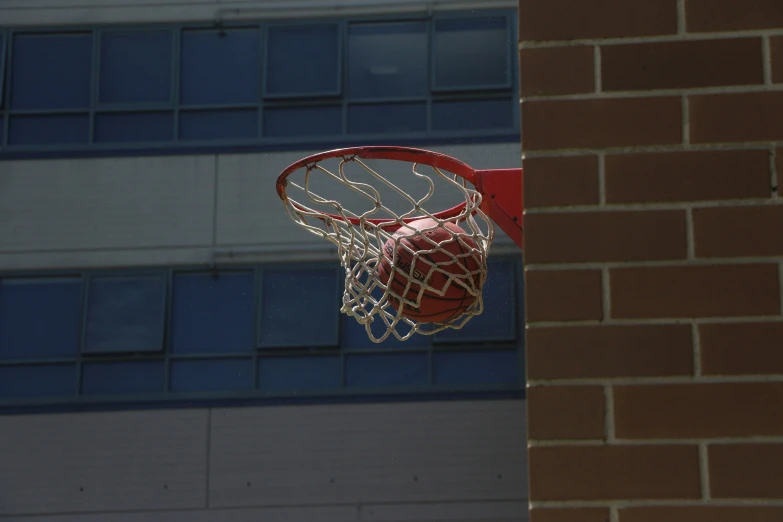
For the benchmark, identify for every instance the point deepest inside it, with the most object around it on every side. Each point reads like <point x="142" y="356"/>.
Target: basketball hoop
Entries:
<point x="400" y="259"/>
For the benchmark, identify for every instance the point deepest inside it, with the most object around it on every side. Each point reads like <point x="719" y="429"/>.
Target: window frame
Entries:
<point x="261" y="142"/>
<point x="340" y="25"/>
<point x="87" y="282"/>
<point x="343" y="393"/>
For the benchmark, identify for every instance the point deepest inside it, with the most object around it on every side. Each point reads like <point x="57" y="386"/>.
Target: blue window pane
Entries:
<point x="2" y="76"/>
<point x="402" y="369"/>
<point x="2" y="123"/>
<point x="385" y="118"/>
<point x="302" y="121"/>
<point x="387" y="60"/>
<point x="39" y="318"/>
<point x="498" y="322"/>
<point x="299" y="308"/>
<point x="216" y="125"/>
<point x="298" y="373"/>
<point x="472" y="115"/>
<point x="215" y="375"/>
<point x="471" y="53"/>
<point x="134" y="126"/>
<point x="123" y="377"/>
<point x="51" y="71"/>
<point x="135" y="66"/>
<point x="213" y="315"/>
<point x="220" y="66"/>
<point x="125" y="314"/>
<point x="477" y="368"/>
<point x="29" y="382"/>
<point x="49" y="130"/>
<point x="303" y="60"/>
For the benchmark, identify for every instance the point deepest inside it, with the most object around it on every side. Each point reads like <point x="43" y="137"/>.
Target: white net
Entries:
<point x="400" y="278"/>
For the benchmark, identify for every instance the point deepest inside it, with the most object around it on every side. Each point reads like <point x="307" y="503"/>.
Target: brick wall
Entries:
<point x="653" y="142"/>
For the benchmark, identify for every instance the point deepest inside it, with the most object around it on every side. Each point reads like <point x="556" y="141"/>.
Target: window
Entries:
<point x="387" y="60"/>
<point x="242" y="333"/>
<point x="471" y="53"/>
<point x="125" y="314"/>
<point x="60" y="76"/>
<point x="40" y="318"/>
<point x="136" y="67"/>
<point x="267" y="84"/>
<point x="220" y="67"/>
<point x="303" y="60"/>
<point x="312" y="294"/>
<point x="213" y="313"/>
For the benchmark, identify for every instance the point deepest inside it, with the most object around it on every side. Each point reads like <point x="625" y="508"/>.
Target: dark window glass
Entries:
<point x="220" y="66"/>
<point x="134" y="126"/>
<point x="299" y="308"/>
<point x="477" y="368"/>
<point x="303" y="60"/>
<point x="467" y="115"/>
<point x="298" y="373"/>
<point x="2" y="75"/>
<point x="212" y="375"/>
<point x="471" y="53"/>
<point x="386" y="118"/>
<point x="49" y="130"/>
<point x="498" y="322"/>
<point x="387" y="60"/>
<point x="125" y="314"/>
<point x="282" y="122"/>
<point x="39" y="381"/>
<point x="51" y="71"/>
<point x="213" y="314"/>
<point x="218" y="125"/>
<point x="111" y="378"/>
<point x="39" y="318"/>
<point x="135" y="66"/>
<point x="401" y="369"/>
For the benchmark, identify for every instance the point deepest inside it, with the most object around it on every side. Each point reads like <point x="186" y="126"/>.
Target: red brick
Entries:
<point x="681" y="65"/>
<point x="709" y="410"/>
<point x="731" y="15"/>
<point x="746" y="470"/>
<point x="569" y="515"/>
<point x="738" y="231"/>
<point x="576" y="237"/>
<point x="702" y="514"/>
<point x="565" y="412"/>
<point x="687" y="176"/>
<point x="563" y="295"/>
<point x="717" y="118"/>
<point x="556" y="70"/>
<point x="561" y="181"/>
<point x="695" y="291"/>
<point x="741" y="348"/>
<point x="587" y="352"/>
<point x="573" y="19"/>
<point x="620" y="122"/>
<point x="776" y="48"/>
<point x="613" y="472"/>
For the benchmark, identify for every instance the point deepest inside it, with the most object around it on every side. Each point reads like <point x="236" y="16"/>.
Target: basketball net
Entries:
<point x="360" y="237"/>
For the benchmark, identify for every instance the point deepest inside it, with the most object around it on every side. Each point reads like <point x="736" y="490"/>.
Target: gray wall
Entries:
<point x="422" y="461"/>
<point x="157" y="210"/>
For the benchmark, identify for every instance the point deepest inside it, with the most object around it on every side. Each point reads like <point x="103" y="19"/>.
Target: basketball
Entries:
<point x="433" y="307"/>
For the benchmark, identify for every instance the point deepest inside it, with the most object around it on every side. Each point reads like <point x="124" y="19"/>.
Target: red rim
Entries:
<point x="407" y="154"/>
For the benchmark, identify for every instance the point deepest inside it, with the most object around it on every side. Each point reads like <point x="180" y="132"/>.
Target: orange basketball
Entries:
<point x="433" y="307"/>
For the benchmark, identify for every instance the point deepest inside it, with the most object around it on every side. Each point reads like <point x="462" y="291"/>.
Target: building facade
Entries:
<point x="171" y="346"/>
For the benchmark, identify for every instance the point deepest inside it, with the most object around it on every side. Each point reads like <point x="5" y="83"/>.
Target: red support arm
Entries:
<point x="503" y="199"/>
